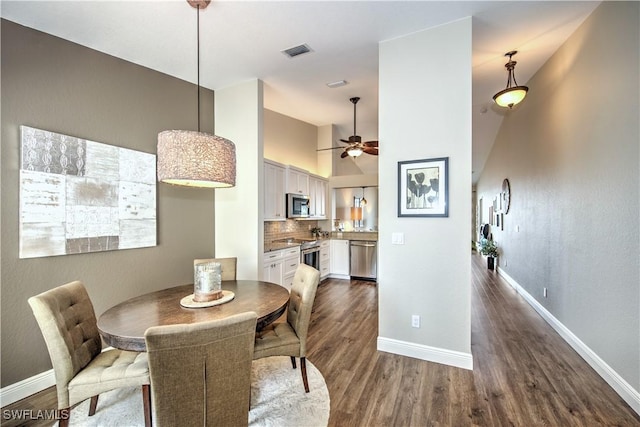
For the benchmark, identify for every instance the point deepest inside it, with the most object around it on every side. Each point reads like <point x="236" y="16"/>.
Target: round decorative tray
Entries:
<point x="188" y="301"/>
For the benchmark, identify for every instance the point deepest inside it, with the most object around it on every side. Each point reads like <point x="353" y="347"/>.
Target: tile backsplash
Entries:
<point x="274" y="230"/>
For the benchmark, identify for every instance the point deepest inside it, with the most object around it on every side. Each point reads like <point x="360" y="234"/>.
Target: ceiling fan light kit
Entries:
<point x="354" y="151"/>
<point x="196" y="159"/>
<point x="356" y="146"/>
<point x="512" y="94"/>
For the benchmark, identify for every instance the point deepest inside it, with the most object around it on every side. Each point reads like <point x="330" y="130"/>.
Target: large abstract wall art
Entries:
<point x="79" y="196"/>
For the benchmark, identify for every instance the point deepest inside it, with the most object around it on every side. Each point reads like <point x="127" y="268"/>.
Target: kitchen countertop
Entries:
<point x="355" y="235"/>
<point x="276" y="246"/>
<point x="345" y="235"/>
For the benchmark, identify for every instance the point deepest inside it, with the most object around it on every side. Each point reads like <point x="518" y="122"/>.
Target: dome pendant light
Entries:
<point x="513" y="94"/>
<point x="196" y="159"/>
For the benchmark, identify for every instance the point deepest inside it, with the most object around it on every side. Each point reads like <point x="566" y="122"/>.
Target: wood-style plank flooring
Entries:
<point x="524" y="373"/>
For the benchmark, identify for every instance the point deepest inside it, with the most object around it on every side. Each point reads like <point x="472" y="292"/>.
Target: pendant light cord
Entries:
<point x="198" y="44"/>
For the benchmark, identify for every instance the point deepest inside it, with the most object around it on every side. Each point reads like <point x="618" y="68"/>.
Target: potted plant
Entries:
<point x="315" y="231"/>
<point x="490" y="250"/>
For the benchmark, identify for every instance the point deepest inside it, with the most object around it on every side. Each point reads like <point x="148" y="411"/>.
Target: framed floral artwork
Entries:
<point x="423" y="188"/>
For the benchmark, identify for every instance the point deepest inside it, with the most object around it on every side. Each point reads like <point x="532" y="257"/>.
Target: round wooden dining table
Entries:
<point x="123" y="326"/>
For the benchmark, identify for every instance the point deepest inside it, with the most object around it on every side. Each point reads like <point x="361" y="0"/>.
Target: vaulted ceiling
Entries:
<point x="241" y="40"/>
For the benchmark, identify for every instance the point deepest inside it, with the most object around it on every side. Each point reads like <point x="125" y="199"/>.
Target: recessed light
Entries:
<point x="339" y="83"/>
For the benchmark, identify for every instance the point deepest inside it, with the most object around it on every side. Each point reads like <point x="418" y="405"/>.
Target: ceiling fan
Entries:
<point x="356" y="146"/>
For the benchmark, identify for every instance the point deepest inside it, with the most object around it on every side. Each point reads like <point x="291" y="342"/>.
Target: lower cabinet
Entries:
<point x="280" y="266"/>
<point x="325" y="259"/>
<point x="340" y="258"/>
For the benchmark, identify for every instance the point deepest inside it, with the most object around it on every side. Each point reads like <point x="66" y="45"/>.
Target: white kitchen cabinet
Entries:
<point x="340" y="258"/>
<point x="280" y="266"/>
<point x="274" y="191"/>
<point x="297" y="180"/>
<point x="273" y="272"/>
<point x="290" y="265"/>
<point x="318" y="197"/>
<point x="325" y="259"/>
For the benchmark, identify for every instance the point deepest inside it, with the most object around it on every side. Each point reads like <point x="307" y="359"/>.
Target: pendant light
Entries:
<point x="512" y="94"/>
<point x="363" y="201"/>
<point x="196" y="159"/>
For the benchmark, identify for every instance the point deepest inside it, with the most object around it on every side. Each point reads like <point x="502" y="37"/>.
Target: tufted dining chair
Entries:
<point x="201" y="372"/>
<point x="290" y="338"/>
<point x="228" y="266"/>
<point x="67" y="320"/>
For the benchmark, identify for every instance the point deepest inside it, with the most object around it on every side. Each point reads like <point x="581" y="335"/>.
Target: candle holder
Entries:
<point x="207" y="281"/>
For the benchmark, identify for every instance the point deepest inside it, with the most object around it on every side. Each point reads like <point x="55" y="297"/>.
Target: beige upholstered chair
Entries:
<point x="228" y="266"/>
<point x="201" y="373"/>
<point x="68" y="323"/>
<point x="290" y="338"/>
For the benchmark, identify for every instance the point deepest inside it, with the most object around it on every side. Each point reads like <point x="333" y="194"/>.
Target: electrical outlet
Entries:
<point x="544" y="292"/>
<point x="415" y="321"/>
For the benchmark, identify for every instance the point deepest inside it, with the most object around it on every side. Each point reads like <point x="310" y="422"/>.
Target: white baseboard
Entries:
<point x="623" y="388"/>
<point x="425" y="352"/>
<point x="25" y="388"/>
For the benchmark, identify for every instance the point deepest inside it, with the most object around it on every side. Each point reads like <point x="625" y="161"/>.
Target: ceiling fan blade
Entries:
<point x="370" y="150"/>
<point x="345" y="141"/>
<point x="332" y="148"/>
<point x="370" y="144"/>
<point x="343" y="155"/>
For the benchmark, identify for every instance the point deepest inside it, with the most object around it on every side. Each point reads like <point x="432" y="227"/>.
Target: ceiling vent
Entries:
<point x="339" y="83"/>
<point x="297" y="50"/>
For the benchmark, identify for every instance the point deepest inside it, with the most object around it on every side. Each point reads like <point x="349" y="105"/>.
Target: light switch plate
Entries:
<point x="397" y="238"/>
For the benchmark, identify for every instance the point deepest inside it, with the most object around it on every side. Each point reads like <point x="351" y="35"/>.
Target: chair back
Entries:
<point x="201" y="373"/>
<point x="303" y="293"/>
<point x="68" y="323"/>
<point x="228" y="266"/>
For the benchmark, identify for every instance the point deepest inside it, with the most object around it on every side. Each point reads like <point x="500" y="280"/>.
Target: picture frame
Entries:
<point x="423" y="188"/>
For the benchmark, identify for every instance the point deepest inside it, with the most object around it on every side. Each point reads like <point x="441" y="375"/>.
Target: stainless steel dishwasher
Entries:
<point x="363" y="255"/>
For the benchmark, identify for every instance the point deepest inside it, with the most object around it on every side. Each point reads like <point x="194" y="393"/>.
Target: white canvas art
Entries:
<point x="79" y="196"/>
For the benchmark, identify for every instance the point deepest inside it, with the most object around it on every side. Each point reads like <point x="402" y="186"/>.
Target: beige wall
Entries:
<point x="290" y="141"/>
<point x="239" y="225"/>
<point x="571" y="153"/>
<point x="55" y="85"/>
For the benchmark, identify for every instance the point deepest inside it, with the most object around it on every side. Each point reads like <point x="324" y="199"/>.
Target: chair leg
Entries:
<point x="146" y="402"/>
<point x="93" y="405"/>
<point x="303" y="368"/>
<point x="63" y="417"/>
<point x="293" y="362"/>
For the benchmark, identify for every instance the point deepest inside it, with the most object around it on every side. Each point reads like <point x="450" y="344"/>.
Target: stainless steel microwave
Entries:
<point x="297" y="206"/>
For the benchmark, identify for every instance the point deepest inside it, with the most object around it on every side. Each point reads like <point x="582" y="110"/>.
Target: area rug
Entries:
<point x="277" y="399"/>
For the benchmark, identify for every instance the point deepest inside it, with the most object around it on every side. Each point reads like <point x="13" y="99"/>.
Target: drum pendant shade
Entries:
<point x="196" y="159"/>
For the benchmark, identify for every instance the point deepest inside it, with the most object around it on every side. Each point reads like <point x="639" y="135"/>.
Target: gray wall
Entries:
<point x="571" y="153"/>
<point x="55" y="85"/>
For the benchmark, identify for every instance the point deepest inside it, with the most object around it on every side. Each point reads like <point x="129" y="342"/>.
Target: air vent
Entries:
<point x="339" y="83"/>
<point x="297" y="50"/>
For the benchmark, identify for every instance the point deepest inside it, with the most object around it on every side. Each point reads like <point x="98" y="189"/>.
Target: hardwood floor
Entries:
<point x="524" y="373"/>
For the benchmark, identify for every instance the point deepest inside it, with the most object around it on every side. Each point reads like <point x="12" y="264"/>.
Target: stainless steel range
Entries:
<point x="310" y="254"/>
<point x="309" y="250"/>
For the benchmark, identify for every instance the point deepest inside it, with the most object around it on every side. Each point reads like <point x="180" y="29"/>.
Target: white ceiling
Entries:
<point x="242" y="40"/>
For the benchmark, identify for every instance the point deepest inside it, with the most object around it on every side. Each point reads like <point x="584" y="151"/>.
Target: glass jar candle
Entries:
<point x="207" y="281"/>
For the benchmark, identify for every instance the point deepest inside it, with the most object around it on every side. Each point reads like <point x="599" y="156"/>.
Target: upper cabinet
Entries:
<point x="281" y="179"/>
<point x="297" y="180"/>
<point x="274" y="191"/>
<point x="317" y="197"/>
